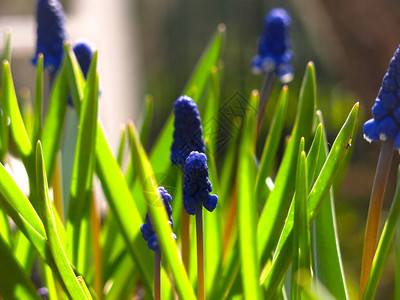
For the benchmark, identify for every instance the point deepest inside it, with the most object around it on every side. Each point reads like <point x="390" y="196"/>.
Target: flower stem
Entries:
<point x="374" y="211"/>
<point x="263" y="99"/>
<point x="200" y="253"/>
<point x="382" y="251"/>
<point x="185" y="234"/>
<point x="157" y="275"/>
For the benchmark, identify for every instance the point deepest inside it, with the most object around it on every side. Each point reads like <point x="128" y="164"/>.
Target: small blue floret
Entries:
<point x="197" y="186"/>
<point x="371" y="132"/>
<point x="274" y="51"/>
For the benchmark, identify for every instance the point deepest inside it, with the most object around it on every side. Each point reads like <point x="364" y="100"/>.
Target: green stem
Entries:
<point x="185" y="235"/>
<point x="157" y="275"/>
<point x="374" y="211"/>
<point x="200" y="252"/>
<point x="263" y="99"/>
<point x="383" y="247"/>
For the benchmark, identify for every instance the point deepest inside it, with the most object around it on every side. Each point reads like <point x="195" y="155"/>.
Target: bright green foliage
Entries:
<point x="255" y="234"/>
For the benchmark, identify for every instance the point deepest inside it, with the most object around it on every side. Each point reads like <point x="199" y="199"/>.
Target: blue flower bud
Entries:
<point x="84" y="53"/>
<point x="51" y="33"/>
<point x="147" y="229"/>
<point x="387" y="128"/>
<point x="378" y="111"/>
<point x="274" y="52"/>
<point x="197" y="186"/>
<point x="386" y="110"/>
<point x="188" y="134"/>
<point x="371" y="133"/>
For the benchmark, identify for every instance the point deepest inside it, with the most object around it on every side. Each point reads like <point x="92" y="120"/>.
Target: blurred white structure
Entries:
<point x="110" y="26"/>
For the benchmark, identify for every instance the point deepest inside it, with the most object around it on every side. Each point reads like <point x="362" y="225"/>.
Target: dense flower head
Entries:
<point x="386" y="110"/>
<point x="147" y="229"/>
<point x="51" y="33"/>
<point x="197" y="186"/>
<point x="274" y="52"/>
<point x="188" y="134"/>
<point x="84" y="53"/>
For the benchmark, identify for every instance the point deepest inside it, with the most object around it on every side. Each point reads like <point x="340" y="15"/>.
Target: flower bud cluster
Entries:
<point x="197" y="186"/>
<point x="385" y="123"/>
<point x="274" y="51"/>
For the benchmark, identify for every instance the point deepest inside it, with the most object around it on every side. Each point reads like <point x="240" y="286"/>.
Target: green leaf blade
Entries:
<point x="60" y="258"/>
<point x="158" y="215"/>
<point x="247" y="209"/>
<point x="276" y="208"/>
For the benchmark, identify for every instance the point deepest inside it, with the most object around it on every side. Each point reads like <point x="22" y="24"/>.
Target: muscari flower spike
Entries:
<point x="188" y="134"/>
<point x="385" y="123"/>
<point x="147" y="229"/>
<point x="51" y="33"/>
<point x="197" y="186"/>
<point x="274" y="52"/>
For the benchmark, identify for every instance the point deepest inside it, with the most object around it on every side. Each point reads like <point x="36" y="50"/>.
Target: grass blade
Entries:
<point x="82" y="175"/>
<point x="271" y="145"/>
<point x="114" y="185"/>
<point x="18" y="131"/>
<point x="327" y="262"/>
<point x="61" y="261"/>
<point x="38" y="108"/>
<point x="301" y="234"/>
<point x="247" y="209"/>
<point x="282" y="257"/>
<point x="54" y="122"/>
<point x="158" y="216"/>
<point x="148" y="117"/>
<point x="276" y="208"/>
<point x="7" y="47"/>
<point x="14" y="282"/>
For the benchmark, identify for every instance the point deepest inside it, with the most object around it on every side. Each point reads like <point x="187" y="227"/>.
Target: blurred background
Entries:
<point x="151" y="47"/>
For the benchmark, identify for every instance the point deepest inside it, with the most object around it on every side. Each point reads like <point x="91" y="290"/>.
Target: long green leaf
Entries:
<point x="18" y="202"/>
<point x="57" y="251"/>
<point x="54" y="121"/>
<point x="271" y="145"/>
<point x="301" y="234"/>
<point x="18" y="131"/>
<point x="7" y="47"/>
<point x="82" y="175"/>
<point x="114" y="185"/>
<point x="276" y="208"/>
<point x="327" y="263"/>
<point x="14" y="282"/>
<point x="282" y="258"/>
<point x="38" y="108"/>
<point x="158" y="216"/>
<point x="247" y="209"/>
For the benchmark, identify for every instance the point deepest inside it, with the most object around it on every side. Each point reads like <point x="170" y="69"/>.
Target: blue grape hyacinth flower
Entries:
<point x="385" y="123"/>
<point x="147" y="229"/>
<point x="188" y="133"/>
<point x="51" y="33"/>
<point x="274" y="50"/>
<point x="197" y="186"/>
